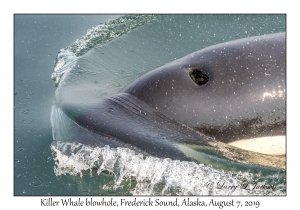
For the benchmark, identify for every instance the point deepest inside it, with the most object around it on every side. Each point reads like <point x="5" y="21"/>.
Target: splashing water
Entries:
<point x="155" y="176"/>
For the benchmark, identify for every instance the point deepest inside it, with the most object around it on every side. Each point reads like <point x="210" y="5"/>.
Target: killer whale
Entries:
<point x="218" y="95"/>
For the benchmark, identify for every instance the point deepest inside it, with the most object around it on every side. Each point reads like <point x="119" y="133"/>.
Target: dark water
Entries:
<point x="129" y="52"/>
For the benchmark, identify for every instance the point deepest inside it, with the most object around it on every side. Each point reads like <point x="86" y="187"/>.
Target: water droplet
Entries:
<point x="110" y="109"/>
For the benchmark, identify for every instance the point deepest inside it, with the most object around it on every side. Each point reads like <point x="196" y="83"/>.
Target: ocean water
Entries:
<point x="37" y="39"/>
<point x="112" y="53"/>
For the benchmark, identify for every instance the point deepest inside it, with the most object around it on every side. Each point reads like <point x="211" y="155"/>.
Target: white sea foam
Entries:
<point x="156" y="176"/>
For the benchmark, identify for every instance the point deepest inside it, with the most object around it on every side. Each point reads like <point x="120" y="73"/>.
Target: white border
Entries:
<point x="154" y="6"/>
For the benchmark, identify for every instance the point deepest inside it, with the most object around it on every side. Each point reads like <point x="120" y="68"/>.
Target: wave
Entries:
<point x="156" y="176"/>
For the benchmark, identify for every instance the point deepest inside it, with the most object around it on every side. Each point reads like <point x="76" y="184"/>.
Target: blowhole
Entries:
<point x="199" y="77"/>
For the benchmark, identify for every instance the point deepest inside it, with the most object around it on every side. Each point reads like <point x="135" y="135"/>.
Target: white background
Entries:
<point x="9" y="8"/>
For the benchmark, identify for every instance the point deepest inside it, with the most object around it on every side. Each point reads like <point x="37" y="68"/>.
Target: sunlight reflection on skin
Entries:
<point x="274" y="94"/>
